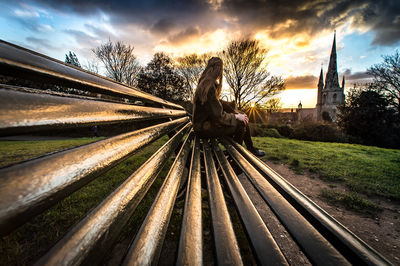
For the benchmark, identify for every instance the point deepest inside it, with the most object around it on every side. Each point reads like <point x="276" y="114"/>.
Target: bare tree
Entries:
<point x="92" y="66"/>
<point x="190" y="68"/>
<point x="273" y="105"/>
<point x="387" y="78"/>
<point x="119" y="60"/>
<point x="245" y="72"/>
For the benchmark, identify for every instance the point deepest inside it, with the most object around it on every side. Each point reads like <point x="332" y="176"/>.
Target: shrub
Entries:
<point x="317" y="132"/>
<point x="285" y="130"/>
<point x="264" y="130"/>
<point x="271" y="132"/>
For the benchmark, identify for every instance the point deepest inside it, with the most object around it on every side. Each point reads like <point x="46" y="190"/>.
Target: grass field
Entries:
<point x="17" y="151"/>
<point x="367" y="170"/>
<point x="364" y="169"/>
<point x="29" y="242"/>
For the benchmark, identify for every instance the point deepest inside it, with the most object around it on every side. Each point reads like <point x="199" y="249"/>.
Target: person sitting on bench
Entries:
<point x="215" y="118"/>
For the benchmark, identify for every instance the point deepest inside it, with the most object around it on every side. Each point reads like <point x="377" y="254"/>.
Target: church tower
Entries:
<point x="330" y="95"/>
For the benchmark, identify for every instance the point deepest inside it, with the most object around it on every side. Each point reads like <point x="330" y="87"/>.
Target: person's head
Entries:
<point x="210" y="76"/>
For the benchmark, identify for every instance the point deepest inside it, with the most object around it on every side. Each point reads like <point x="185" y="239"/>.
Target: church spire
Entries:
<point x="320" y="87"/>
<point x="332" y="80"/>
<point x="343" y="82"/>
<point x="321" y="78"/>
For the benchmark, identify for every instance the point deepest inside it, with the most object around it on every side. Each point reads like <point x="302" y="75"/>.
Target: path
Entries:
<point x="381" y="231"/>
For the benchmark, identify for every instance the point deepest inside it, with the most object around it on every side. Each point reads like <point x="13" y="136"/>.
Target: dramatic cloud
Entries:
<point x="164" y="25"/>
<point x="310" y="81"/>
<point x="301" y="82"/>
<point x="144" y="12"/>
<point x="356" y="78"/>
<point x="280" y="18"/>
<point x="184" y="35"/>
<point x="284" y="18"/>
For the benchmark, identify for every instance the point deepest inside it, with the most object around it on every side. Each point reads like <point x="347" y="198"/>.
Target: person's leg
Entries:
<point x="249" y="143"/>
<point x="215" y="132"/>
<point x="247" y="138"/>
<point x="240" y="132"/>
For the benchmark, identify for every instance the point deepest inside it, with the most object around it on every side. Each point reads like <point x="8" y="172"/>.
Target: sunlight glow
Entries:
<point x="291" y="98"/>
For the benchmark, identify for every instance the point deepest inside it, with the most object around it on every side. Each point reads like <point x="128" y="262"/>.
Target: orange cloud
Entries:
<point x="301" y="82"/>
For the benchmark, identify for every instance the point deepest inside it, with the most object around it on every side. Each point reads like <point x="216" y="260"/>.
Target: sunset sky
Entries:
<point x="298" y="34"/>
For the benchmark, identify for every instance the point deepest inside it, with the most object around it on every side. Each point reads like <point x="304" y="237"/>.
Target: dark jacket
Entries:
<point x="210" y="119"/>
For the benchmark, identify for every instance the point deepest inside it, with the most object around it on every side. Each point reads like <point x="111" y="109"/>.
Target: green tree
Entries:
<point x="119" y="60"/>
<point x="387" y="79"/>
<point x="368" y="116"/>
<point x="245" y="71"/>
<point x="72" y="59"/>
<point x="159" y="78"/>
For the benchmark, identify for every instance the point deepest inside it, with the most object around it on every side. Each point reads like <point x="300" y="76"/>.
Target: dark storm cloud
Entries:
<point x="148" y="12"/>
<point x="184" y="35"/>
<point x="301" y="82"/>
<point x="311" y="16"/>
<point x="356" y="77"/>
<point x="281" y="18"/>
<point x="164" y="25"/>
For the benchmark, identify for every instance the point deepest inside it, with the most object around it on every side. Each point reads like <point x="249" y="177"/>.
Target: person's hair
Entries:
<point x="208" y="78"/>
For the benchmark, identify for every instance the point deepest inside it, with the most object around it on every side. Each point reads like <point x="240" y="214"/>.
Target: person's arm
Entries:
<point x="217" y="111"/>
<point x="242" y="117"/>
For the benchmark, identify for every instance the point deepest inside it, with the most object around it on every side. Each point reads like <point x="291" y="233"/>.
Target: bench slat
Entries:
<point x="226" y="245"/>
<point x="315" y="246"/>
<point x="28" y="188"/>
<point x="24" y="111"/>
<point x="21" y="62"/>
<point x="146" y="248"/>
<point x="191" y="239"/>
<point x="264" y="245"/>
<point x="355" y="250"/>
<point x="92" y="237"/>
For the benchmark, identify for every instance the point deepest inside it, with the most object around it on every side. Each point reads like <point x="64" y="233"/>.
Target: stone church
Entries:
<point x="330" y="94"/>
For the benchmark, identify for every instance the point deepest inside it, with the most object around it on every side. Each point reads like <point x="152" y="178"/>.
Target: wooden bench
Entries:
<point x="230" y="174"/>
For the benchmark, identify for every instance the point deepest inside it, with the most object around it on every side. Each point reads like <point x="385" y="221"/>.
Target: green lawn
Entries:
<point x="29" y="242"/>
<point x="364" y="169"/>
<point x="17" y="151"/>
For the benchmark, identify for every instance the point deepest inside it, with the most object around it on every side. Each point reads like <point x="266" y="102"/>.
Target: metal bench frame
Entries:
<point x="29" y="188"/>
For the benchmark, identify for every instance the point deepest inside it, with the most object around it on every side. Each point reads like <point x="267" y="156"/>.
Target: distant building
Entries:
<point x="330" y="94"/>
